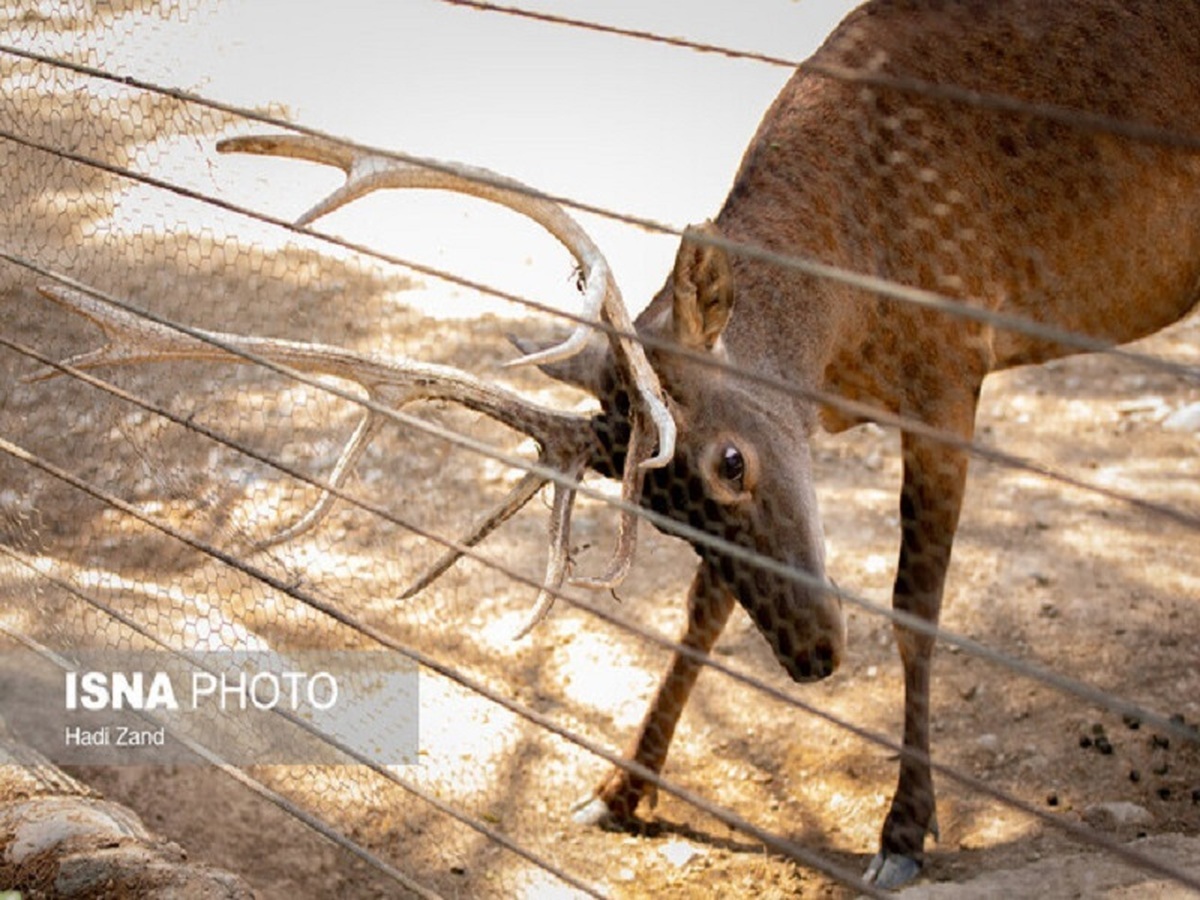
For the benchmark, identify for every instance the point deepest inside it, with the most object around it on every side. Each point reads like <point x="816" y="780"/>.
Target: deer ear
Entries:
<point x="590" y="370"/>
<point x="703" y="290"/>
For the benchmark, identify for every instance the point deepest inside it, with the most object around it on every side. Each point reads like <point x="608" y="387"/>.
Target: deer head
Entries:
<point x="740" y="472"/>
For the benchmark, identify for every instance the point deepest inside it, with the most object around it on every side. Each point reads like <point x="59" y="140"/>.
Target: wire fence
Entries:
<point x="143" y="505"/>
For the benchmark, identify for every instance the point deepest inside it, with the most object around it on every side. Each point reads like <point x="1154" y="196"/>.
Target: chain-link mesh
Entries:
<point x="200" y="506"/>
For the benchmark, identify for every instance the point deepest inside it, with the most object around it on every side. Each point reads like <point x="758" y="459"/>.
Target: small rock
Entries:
<point x="680" y="853"/>
<point x="988" y="742"/>
<point x="1185" y="419"/>
<point x="1118" y="814"/>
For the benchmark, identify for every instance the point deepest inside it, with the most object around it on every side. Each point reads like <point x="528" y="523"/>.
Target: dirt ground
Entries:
<point x="1049" y="574"/>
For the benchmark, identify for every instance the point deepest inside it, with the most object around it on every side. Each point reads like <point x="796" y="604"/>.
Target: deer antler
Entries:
<point x="367" y="172"/>
<point x="566" y="440"/>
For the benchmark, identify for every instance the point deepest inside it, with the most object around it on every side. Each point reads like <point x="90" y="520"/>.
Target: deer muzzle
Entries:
<point x="804" y="625"/>
<point x="794" y="607"/>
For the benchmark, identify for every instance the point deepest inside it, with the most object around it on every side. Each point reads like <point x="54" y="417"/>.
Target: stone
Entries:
<point x="1117" y="814"/>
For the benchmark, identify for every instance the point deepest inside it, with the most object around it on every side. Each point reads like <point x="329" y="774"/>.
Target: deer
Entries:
<point x="945" y="189"/>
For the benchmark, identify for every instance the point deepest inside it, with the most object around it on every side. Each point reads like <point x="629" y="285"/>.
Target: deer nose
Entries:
<point x="809" y="644"/>
<point x="819" y="661"/>
<point x="800" y="616"/>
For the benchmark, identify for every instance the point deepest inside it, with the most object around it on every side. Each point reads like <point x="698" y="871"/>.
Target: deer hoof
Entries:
<point x="891" y="870"/>
<point x="595" y="811"/>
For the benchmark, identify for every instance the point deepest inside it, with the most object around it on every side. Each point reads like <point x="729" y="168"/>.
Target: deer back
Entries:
<point x="1034" y="206"/>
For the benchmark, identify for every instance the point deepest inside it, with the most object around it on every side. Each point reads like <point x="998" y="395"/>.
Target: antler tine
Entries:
<point x="351" y="453"/>
<point x="631" y="490"/>
<point x="367" y="172"/>
<point x="526" y="489"/>
<point x="559" y="561"/>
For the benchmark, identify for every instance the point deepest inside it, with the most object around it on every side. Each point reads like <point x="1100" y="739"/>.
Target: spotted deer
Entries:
<point x="937" y="168"/>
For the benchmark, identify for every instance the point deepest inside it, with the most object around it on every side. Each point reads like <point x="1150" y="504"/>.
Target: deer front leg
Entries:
<point x="617" y="797"/>
<point x="934" y="481"/>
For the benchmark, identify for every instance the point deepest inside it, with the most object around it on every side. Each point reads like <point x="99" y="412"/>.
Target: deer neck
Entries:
<point x="788" y="324"/>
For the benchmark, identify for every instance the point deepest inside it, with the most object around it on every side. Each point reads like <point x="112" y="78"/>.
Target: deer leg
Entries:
<point x="934" y="481"/>
<point x="617" y="797"/>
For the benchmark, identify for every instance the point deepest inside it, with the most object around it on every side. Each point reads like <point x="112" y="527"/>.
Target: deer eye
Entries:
<point x="730" y="470"/>
<point x="732" y="467"/>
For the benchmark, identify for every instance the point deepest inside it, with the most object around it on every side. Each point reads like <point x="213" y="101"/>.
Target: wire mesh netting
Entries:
<point x="258" y="464"/>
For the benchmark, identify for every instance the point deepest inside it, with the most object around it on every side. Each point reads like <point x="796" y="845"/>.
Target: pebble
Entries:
<point x="1117" y="814"/>
<point x="1184" y="419"/>
<point x="680" y="853"/>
